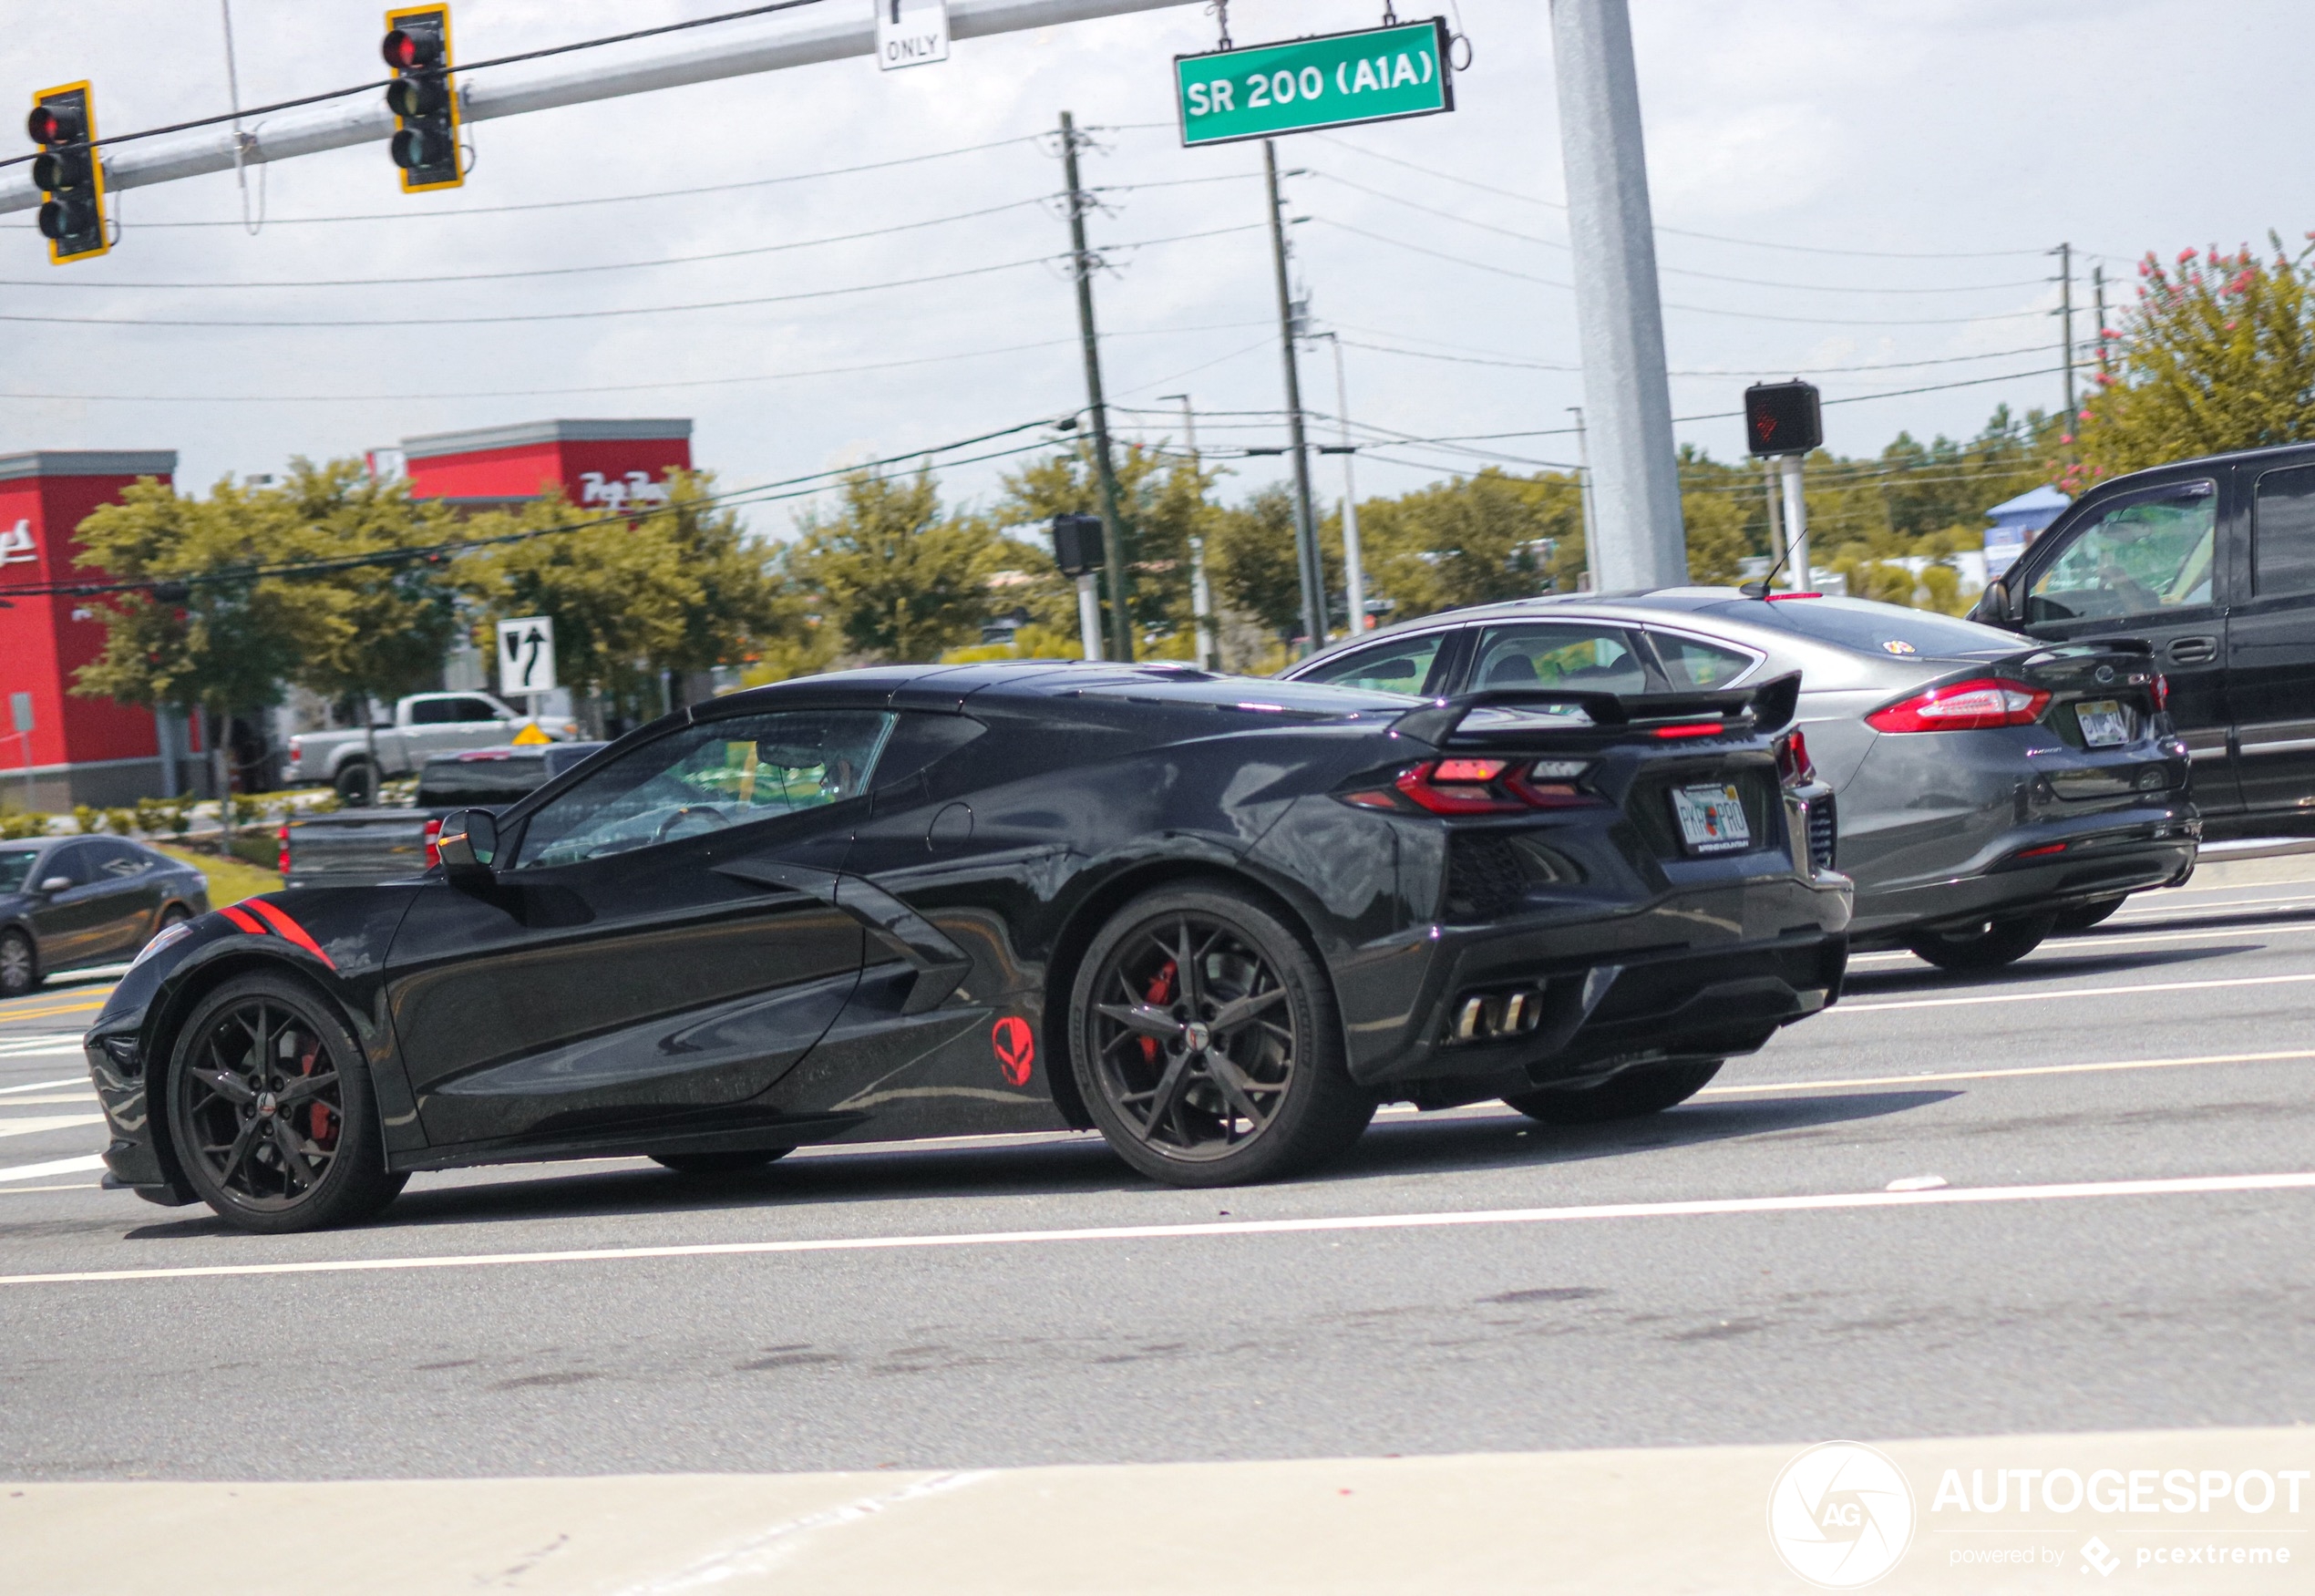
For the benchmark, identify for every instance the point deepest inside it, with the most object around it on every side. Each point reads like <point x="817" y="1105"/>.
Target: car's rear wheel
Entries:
<point x="1647" y="1088"/>
<point x="1206" y="1045"/>
<point x="2087" y="915"/>
<point x="1985" y="946"/>
<point x="270" y="1108"/>
<point x="19" y="964"/>
<point x="357" y="783"/>
<point x="719" y="1163"/>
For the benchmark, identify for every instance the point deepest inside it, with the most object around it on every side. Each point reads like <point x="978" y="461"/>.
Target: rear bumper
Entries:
<point x="2099" y="856"/>
<point x="1694" y="975"/>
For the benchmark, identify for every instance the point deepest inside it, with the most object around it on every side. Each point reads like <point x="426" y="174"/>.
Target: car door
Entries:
<point x="1591" y="656"/>
<point x="129" y="889"/>
<point x="2270" y="644"/>
<point x="69" y="922"/>
<point x="2147" y="563"/>
<point x="650" y="947"/>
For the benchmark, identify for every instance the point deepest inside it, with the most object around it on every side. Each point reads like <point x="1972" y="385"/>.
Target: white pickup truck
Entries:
<point x="423" y="724"/>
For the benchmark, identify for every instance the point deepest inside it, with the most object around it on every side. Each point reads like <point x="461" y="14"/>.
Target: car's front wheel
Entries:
<point x="1986" y="946"/>
<point x="19" y="964"/>
<point x="1647" y="1088"/>
<point x="1206" y="1045"/>
<point x="270" y="1108"/>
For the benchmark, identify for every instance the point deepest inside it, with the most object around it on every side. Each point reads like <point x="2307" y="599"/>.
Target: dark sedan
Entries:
<point x="71" y="902"/>
<point x="1986" y="787"/>
<point x="1217" y="919"/>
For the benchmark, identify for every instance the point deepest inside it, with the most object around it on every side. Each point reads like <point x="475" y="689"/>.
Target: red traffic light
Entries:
<point x="1783" y="419"/>
<point x="51" y="125"/>
<point x="411" y="52"/>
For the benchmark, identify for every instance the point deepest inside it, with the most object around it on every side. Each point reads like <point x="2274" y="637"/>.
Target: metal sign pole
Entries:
<point x="1796" y="525"/>
<point x="1088" y="617"/>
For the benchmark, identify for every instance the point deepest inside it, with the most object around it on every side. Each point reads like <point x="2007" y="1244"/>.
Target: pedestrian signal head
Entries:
<point x="1783" y="419"/>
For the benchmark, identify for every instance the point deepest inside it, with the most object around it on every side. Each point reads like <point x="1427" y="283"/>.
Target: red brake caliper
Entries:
<point x="1160" y="993"/>
<point x="320" y="1116"/>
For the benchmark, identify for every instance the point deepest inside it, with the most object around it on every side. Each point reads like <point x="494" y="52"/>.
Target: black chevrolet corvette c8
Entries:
<point x="1217" y="919"/>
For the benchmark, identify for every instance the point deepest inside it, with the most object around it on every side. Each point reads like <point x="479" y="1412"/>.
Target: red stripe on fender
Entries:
<point x="244" y="921"/>
<point x="290" y="929"/>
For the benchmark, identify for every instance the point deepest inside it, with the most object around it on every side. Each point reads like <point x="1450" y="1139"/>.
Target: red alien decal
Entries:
<point x="1016" y="1049"/>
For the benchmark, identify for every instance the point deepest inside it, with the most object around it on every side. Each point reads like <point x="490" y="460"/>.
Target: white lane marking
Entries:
<point x="2091" y="942"/>
<point x="34" y="1125"/>
<point x="53" y="1167"/>
<point x="25" y="1190"/>
<point x="2174" y="1186"/>
<point x="2107" y="991"/>
<point x="1989" y="1075"/>
<point x="47" y="1047"/>
<point x="70" y="1080"/>
<point x="2162" y="910"/>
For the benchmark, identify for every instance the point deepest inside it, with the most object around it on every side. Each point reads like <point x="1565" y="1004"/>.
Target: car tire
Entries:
<point x="174" y="914"/>
<point x="719" y="1163"/>
<point x="1233" y="1075"/>
<point x="1647" y="1088"/>
<point x="19" y="965"/>
<point x="247" y="1145"/>
<point x="356" y="783"/>
<point x="1984" y="947"/>
<point x="2086" y="916"/>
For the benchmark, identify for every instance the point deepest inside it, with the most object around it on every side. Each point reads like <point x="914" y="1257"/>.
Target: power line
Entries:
<point x="577" y="316"/>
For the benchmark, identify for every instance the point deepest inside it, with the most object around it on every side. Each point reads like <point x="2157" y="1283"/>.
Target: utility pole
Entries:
<point x="1201" y="596"/>
<point x="1353" y="561"/>
<point x="2098" y="291"/>
<point x="1619" y="318"/>
<point x="1583" y="486"/>
<point x="1306" y="557"/>
<point x="1121" y="625"/>
<point x="2065" y="322"/>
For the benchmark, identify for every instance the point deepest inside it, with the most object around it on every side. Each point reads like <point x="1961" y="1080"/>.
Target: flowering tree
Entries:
<point x="2217" y="353"/>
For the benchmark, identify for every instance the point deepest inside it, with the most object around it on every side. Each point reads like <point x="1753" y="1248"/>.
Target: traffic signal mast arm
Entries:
<point x="515" y="90"/>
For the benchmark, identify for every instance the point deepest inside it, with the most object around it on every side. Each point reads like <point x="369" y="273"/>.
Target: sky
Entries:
<point x="1837" y="188"/>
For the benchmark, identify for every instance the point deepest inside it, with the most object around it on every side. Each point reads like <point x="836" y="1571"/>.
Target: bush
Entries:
<point x="88" y="818"/>
<point x="19" y="824"/>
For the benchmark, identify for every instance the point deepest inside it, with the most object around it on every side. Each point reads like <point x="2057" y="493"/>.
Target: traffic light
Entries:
<point x="426" y="108"/>
<point x="1782" y="419"/>
<point x="1077" y="544"/>
<point x="63" y="124"/>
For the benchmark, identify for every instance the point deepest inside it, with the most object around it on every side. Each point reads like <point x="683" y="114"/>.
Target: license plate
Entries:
<point x="1711" y="818"/>
<point x="2104" y="722"/>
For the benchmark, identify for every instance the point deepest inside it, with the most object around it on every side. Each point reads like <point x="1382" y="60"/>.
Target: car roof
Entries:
<point x="1030" y="681"/>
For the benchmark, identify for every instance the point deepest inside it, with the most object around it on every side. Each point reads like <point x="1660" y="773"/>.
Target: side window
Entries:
<point x="707" y="777"/>
<point x="72" y="859"/>
<point x="2282" y="533"/>
<point x="1691" y="664"/>
<point x="1403" y="666"/>
<point x="117" y="860"/>
<point x="1595" y="659"/>
<point x="475" y="709"/>
<point x="432" y="711"/>
<point x="2140" y="558"/>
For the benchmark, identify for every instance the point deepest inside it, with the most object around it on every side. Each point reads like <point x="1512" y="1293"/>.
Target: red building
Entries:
<point x="78" y="750"/>
<point x="605" y="464"/>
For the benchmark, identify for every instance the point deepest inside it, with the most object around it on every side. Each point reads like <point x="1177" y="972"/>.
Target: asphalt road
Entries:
<point x="1714" y="1300"/>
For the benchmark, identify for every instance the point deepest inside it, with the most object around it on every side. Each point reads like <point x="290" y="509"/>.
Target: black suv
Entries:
<point x="2213" y="561"/>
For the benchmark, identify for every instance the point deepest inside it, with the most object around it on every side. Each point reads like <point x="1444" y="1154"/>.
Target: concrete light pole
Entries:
<point x="1619" y="317"/>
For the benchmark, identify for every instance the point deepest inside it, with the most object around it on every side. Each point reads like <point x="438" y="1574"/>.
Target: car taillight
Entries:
<point x="434" y="842"/>
<point x="1479" y="786"/>
<point x="281" y="836"/>
<point x="1794" y="767"/>
<point x="1963" y="707"/>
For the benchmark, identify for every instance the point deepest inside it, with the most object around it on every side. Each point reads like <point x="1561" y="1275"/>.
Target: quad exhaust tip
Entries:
<point x="1485" y="1016"/>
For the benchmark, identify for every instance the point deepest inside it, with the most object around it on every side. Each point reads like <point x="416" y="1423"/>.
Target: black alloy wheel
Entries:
<point x="719" y="1163"/>
<point x="1206" y="1045"/>
<point x="2086" y="916"/>
<point x="19" y="964"/>
<point x="1985" y="946"/>
<point x="1643" y="1089"/>
<point x="271" y="1112"/>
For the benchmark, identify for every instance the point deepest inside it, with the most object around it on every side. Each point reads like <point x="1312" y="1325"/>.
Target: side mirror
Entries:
<point x="468" y="843"/>
<point x="58" y="884"/>
<point x="1993" y="604"/>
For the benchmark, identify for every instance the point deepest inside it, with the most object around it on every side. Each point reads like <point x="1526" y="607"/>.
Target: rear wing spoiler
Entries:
<point x="1760" y="711"/>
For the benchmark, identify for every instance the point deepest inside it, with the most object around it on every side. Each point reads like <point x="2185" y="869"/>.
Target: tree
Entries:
<point x="1163" y="501"/>
<point x="2217" y="353"/>
<point x="898" y="581"/>
<point x="1474" y="541"/>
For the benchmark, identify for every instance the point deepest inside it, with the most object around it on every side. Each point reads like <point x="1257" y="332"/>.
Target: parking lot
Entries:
<point x="2070" y="1198"/>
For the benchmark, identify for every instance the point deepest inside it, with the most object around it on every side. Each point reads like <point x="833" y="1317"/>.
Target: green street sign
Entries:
<point x="1333" y="81"/>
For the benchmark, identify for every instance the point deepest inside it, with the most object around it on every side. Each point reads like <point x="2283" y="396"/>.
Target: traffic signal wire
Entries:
<point x="578" y="315"/>
<point x="456" y="71"/>
<point x="762" y="492"/>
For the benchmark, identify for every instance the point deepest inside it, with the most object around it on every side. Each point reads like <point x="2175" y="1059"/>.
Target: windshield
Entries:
<point x="16" y="867"/>
<point x="1873" y="628"/>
